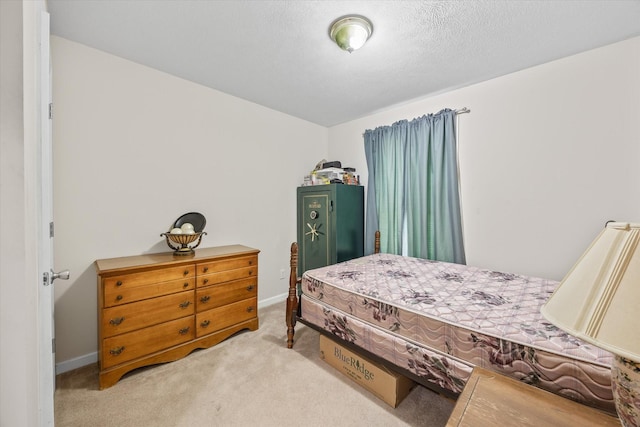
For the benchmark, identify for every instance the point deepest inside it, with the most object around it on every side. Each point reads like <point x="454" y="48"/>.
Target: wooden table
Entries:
<point x="491" y="399"/>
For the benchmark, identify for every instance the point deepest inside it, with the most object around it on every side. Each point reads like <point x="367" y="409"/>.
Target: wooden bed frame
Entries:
<point x="293" y="303"/>
<point x="293" y="315"/>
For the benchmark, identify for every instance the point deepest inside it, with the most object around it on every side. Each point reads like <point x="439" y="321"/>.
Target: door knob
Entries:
<point x="47" y="278"/>
<point x="63" y="275"/>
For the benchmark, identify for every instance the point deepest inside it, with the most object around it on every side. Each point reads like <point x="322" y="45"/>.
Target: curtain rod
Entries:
<point x="463" y="110"/>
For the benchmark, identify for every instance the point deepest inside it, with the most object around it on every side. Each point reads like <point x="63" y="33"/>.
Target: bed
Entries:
<point x="435" y="321"/>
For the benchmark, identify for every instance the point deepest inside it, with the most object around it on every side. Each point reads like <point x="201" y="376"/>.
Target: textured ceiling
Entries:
<point x="278" y="53"/>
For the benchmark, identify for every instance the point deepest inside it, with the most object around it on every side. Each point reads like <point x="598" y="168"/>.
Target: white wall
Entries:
<point x="547" y="156"/>
<point x="134" y="148"/>
<point x="19" y="278"/>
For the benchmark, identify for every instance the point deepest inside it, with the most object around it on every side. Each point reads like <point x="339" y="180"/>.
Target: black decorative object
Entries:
<point x="184" y="231"/>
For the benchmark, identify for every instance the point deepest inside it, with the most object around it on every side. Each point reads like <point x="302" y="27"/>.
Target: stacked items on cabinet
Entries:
<point x="331" y="173"/>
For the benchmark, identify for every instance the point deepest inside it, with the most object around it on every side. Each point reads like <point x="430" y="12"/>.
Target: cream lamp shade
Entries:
<point x="598" y="301"/>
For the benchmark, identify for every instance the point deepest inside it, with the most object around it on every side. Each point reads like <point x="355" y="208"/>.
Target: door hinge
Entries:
<point x="50" y="110"/>
<point x="51" y="230"/>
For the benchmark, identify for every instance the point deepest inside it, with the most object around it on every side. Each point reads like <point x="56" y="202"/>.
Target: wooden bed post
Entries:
<point x="292" y="299"/>
<point x="291" y="315"/>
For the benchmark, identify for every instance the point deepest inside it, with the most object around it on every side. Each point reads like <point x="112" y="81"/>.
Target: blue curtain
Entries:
<point x="413" y="180"/>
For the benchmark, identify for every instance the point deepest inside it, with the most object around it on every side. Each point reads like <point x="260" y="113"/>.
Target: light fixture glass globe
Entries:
<point x="351" y="32"/>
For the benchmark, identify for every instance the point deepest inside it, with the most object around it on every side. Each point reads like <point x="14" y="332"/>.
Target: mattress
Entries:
<point x="439" y="320"/>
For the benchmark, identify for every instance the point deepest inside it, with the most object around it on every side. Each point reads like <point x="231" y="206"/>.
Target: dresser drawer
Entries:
<point x="117" y="295"/>
<point x="128" y="317"/>
<point x="227" y="264"/>
<point x="226" y="276"/>
<point x="151" y="276"/>
<point x="219" y="318"/>
<point x="226" y="293"/>
<point x="117" y="285"/>
<point x="143" y="342"/>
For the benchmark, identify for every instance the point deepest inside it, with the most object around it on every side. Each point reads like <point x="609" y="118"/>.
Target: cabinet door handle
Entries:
<point x="183" y="331"/>
<point x="249" y="288"/>
<point x="116" y="351"/>
<point x="185" y="304"/>
<point x="205" y="298"/>
<point x="116" y="321"/>
<point x="205" y="323"/>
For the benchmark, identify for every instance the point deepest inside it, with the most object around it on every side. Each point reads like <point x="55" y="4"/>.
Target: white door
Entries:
<point x="46" y="341"/>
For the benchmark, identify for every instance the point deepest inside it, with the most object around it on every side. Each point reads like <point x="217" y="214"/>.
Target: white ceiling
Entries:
<point x="278" y="53"/>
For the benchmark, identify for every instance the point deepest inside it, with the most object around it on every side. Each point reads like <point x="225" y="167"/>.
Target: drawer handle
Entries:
<point x="205" y="281"/>
<point x="119" y="283"/>
<point x="250" y="272"/>
<point x="186" y="272"/>
<point x="249" y="309"/>
<point x="251" y="262"/>
<point x="116" y="351"/>
<point x="186" y="285"/>
<point x="119" y="297"/>
<point x="116" y="321"/>
<point x="205" y="323"/>
<point x="183" y="331"/>
<point x="250" y="288"/>
<point x="204" y="270"/>
<point x="205" y="299"/>
<point x="185" y="304"/>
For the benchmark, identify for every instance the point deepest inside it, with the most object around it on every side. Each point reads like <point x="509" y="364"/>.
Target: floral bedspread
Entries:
<point x="461" y="315"/>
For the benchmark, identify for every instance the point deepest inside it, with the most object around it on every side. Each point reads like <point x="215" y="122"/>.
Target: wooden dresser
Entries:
<point x="159" y="307"/>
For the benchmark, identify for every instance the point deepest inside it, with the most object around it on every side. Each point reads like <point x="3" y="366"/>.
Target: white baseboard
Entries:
<point x="76" y="362"/>
<point x="273" y="300"/>
<point x="88" y="359"/>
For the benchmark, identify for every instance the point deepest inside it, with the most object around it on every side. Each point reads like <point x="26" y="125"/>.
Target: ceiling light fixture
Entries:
<point x="351" y="32"/>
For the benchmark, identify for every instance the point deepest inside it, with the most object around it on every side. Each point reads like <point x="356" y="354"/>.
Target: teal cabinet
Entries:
<point x="330" y="225"/>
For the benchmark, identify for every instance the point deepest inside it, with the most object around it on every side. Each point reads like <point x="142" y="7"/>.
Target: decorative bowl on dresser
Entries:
<point x="159" y="308"/>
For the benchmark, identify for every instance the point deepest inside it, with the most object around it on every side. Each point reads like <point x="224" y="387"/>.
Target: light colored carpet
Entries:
<point x="249" y="379"/>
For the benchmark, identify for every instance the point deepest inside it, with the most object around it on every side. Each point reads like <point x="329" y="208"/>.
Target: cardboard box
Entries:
<point x="384" y="383"/>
